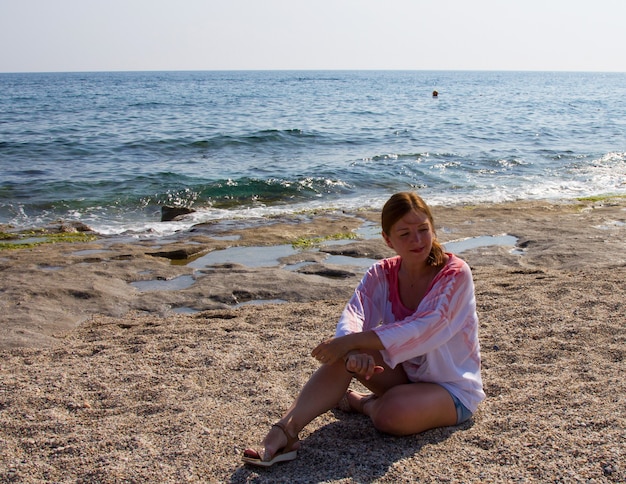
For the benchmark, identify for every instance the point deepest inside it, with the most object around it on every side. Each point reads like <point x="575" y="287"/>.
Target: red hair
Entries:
<point x="398" y="206"/>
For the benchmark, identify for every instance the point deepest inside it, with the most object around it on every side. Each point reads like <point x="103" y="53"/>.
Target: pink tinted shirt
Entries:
<point x="437" y="342"/>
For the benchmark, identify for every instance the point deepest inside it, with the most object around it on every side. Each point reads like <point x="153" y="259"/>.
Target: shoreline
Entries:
<point x="102" y="382"/>
<point x="188" y="219"/>
<point x="51" y="288"/>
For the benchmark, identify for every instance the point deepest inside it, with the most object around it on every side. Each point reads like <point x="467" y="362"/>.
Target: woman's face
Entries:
<point x="411" y="237"/>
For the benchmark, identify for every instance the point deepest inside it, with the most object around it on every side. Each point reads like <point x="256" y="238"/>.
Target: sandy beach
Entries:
<point x="105" y="380"/>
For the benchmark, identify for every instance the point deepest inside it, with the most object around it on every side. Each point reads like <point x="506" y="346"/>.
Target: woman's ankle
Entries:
<point x="288" y="427"/>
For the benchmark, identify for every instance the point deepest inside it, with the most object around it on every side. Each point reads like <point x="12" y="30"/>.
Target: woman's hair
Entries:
<point x="398" y="206"/>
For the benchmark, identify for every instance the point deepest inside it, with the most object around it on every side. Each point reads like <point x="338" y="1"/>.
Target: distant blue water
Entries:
<point x="109" y="149"/>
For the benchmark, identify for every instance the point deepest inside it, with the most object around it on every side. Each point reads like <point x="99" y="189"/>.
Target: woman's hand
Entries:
<point x="352" y="348"/>
<point x="329" y="351"/>
<point x="362" y="365"/>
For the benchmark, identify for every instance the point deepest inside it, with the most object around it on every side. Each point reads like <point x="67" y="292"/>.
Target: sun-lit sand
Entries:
<point x="101" y="381"/>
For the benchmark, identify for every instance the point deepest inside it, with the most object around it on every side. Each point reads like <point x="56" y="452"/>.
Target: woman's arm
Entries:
<point x="352" y="348"/>
<point x="331" y="350"/>
<point x="364" y="310"/>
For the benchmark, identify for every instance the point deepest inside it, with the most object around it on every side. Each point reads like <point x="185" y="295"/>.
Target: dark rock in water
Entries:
<point x="67" y="227"/>
<point x="172" y="213"/>
<point x="179" y="253"/>
<point x="325" y="271"/>
<point x="75" y="226"/>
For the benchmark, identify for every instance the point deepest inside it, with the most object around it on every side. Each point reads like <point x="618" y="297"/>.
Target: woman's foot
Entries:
<point x="354" y="401"/>
<point x="278" y="446"/>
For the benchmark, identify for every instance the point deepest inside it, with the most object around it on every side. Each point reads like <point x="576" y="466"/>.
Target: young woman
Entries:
<point x="409" y="334"/>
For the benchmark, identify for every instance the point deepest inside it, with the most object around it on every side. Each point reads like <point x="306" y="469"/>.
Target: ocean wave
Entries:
<point x="110" y="149"/>
<point x="274" y="136"/>
<point x="19" y="201"/>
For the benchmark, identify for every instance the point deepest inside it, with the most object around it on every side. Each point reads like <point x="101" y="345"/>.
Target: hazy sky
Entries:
<point x="111" y="35"/>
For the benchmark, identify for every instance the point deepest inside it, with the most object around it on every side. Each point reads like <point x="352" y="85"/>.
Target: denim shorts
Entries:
<point x="462" y="412"/>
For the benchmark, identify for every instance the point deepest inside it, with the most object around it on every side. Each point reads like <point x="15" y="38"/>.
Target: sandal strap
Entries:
<point x="291" y="440"/>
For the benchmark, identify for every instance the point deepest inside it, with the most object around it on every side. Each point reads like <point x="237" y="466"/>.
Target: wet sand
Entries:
<point x="103" y="382"/>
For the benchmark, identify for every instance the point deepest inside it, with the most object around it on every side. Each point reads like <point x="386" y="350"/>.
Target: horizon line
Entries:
<point x="101" y="71"/>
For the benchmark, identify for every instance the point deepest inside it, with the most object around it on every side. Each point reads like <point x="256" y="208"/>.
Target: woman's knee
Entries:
<point x="401" y="411"/>
<point x="388" y="417"/>
<point x="390" y="425"/>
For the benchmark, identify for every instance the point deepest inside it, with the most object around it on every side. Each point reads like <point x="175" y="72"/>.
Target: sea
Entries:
<point x="109" y="149"/>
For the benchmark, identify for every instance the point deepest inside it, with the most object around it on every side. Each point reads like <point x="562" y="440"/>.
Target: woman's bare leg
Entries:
<point x="321" y="393"/>
<point x="409" y="409"/>
<point x="403" y="407"/>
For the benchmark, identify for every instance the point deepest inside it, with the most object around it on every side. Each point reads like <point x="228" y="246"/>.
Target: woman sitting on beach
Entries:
<point x="409" y="334"/>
